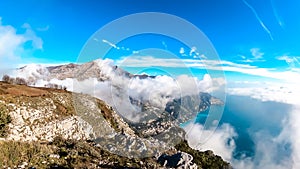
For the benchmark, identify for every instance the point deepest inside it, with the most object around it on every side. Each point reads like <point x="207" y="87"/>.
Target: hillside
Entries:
<point x="44" y="128"/>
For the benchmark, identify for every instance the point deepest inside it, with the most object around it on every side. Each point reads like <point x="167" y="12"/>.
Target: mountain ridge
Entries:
<point x="61" y="113"/>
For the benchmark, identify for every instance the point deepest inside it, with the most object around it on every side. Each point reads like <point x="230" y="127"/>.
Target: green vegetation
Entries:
<point x="205" y="159"/>
<point x="14" y="153"/>
<point x="4" y="120"/>
<point x="107" y="114"/>
<point x="63" y="153"/>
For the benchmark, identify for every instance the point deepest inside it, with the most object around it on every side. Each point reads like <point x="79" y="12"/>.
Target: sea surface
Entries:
<point x="249" y="116"/>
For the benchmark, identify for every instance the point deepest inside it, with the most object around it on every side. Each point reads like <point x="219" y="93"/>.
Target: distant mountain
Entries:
<point x="124" y="91"/>
<point x="44" y="128"/>
<point x="93" y="69"/>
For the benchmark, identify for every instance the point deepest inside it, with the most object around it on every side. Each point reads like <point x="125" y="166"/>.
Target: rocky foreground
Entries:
<point x="50" y="128"/>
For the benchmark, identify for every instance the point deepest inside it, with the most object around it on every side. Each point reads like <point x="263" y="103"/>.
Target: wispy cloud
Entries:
<point x="165" y="45"/>
<point x="123" y="48"/>
<point x="256" y="53"/>
<point x="256" y="56"/>
<point x="147" y="61"/>
<point x="277" y="16"/>
<point x="258" y="18"/>
<point x="110" y="43"/>
<point x="292" y="61"/>
<point x="193" y="50"/>
<point x="42" y="29"/>
<point x="182" y="52"/>
<point x="192" y="53"/>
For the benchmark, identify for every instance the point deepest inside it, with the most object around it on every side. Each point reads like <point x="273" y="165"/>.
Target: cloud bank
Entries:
<point x="119" y="88"/>
<point x="281" y="150"/>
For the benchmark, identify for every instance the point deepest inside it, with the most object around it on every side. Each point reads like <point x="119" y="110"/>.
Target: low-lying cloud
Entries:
<point x="118" y="87"/>
<point x="279" y="150"/>
<point x="219" y="140"/>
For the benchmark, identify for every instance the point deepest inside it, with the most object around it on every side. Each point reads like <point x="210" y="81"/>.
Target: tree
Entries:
<point x="21" y="81"/>
<point x="5" y="78"/>
<point x="12" y="80"/>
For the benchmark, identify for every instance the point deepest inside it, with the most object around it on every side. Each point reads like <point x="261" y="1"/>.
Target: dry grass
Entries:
<point x="14" y="153"/>
<point x="20" y="90"/>
<point x="71" y="154"/>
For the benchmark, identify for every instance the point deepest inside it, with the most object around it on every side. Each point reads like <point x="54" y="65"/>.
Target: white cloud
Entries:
<point x="109" y="43"/>
<point x="147" y="61"/>
<point x="292" y="61"/>
<point x="113" y="45"/>
<point x="165" y="45"/>
<point x="42" y="29"/>
<point x="278" y="92"/>
<point x="203" y="57"/>
<point x="278" y="151"/>
<point x="271" y="151"/>
<point x="116" y="91"/>
<point x="181" y="51"/>
<point x="291" y="76"/>
<point x="219" y="140"/>
<point x="270" y="148"/>
<point x="256" y="56"/>
<point x="256" y="53"/>
<point x="258" y="18"/>
<point x="12" y="44"/>
<point x="247" y="61"/>
<point x="32" y="70"/>
<point x="193" y="51"/>
<point x="242" y="56"/>
<point x="30" y="35"/>
<point x="293" y="129"/>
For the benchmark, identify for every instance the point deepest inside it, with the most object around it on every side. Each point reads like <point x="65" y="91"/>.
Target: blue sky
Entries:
<point x="264" y="34"/>
<point x="257" y="42"/>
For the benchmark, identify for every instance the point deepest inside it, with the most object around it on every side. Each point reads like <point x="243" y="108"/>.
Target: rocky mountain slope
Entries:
<point x="51" y="128"/>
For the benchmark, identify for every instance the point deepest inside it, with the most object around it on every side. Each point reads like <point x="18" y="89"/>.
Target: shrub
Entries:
<point x="55" y="86"/>
<point x="203" y="159"/>
<point x="11" y="80"/>
<point x="4" y="120"/>
<point x="5" y="78"/>
<point x="21" y="81"/>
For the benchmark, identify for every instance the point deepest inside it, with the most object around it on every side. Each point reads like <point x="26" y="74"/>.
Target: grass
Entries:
<point x="5" y="119"/>
<point x="72" y="154"/>
<point x="108" y="115"/>
<point x="14" y="153"/>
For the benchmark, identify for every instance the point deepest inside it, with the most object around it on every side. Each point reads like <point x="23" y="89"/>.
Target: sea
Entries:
<point x="248" y="117"/>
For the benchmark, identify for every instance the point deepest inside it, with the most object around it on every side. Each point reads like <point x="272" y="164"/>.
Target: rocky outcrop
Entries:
<point x="180" y="160"/>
